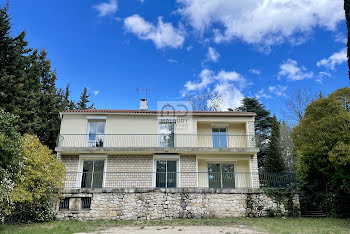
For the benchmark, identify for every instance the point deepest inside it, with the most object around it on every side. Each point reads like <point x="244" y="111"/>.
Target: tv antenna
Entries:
<point x="144" y="92"/>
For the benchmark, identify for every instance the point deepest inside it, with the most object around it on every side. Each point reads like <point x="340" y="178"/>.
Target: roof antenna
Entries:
<point x="143" y="92"/>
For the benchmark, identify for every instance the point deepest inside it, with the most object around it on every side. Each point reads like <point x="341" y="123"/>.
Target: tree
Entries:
<point x="347" y="16"/>
<point x="205" y="101"/>
<point x="11" y="156"/>
<point x="37" y="191"/>
<point x="322" y="141"/>
<point x="263" y="123"/>
<point x="274" y="161"/>
<point x="297" y="104"/>
<point x="84" y="100"/>
<point x="49" y="103"/>
<point x="66" y="102"/>
<point x="287" y="147"/>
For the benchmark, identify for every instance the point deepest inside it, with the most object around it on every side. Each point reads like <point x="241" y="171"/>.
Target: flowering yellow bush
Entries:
<point x="39" y="187"/>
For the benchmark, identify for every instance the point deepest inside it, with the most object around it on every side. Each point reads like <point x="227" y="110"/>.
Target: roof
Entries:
<point x="112" y="111"/>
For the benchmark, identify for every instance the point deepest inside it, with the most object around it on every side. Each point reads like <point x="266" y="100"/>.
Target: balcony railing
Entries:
<point x="230" y="180"/>
<point x="155" y="140"/>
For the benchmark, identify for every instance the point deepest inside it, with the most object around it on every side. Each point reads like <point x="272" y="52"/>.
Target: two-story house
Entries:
<point x="144" y="149"/>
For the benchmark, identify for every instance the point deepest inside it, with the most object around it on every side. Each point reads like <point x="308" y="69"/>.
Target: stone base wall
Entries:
<point x="153" y="204"/>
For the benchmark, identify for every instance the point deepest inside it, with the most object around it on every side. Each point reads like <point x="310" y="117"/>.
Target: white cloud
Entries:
<point x="228" y="84"/>
<point x="339" y="37"/>
<point x="231" y="95"/>
<point x="335" y="59"/>
<point x="265" y="22"/>
<point x="292" y="71"/>
<point x="323" y="75"/>
<point x="212" y="55"/>
<point x="96" y="92"/>
<point x="172" y="60"/>
<point x="261" y="94"/>
<point x="163" y="34"/>
<point x="107" y="8"/>
<point x="278" y="90"/>
<point x="255" y="71"/>
<point x="206" y="77"/>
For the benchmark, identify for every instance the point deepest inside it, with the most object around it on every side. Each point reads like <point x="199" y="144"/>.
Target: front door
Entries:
<point x="166" y="176"/>
<point x="221" y="175"/>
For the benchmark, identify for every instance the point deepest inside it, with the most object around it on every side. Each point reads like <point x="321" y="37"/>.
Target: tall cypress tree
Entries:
<point x="84" y="100"/>
<point x="19" y="80"/>
<point x="49" y="101"/>
<point x="347" y="16"/>
<point x="274" y="160"/>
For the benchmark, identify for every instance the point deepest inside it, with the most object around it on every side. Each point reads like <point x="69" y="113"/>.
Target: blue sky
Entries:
<point x="236" y="48"/>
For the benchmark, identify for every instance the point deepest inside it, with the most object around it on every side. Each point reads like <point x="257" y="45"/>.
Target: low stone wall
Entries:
<point x="152" y="204"/>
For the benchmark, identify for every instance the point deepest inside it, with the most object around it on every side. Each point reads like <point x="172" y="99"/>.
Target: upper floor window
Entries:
<point x="219" y="137"/>
<point x="96" y="129"/>
<point x="166" y="134"/>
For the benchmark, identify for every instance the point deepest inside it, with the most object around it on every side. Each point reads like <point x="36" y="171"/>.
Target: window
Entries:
<point x="166" y="176"/>
<point x="221" y="175"/>
<point x="219" y="137"/>
<point x="85" y="203"/>
<point x="96" y="133"/>
<point x="92" y="174"/>
<point x="166" y="135"/>
<point x="64" y="204"/>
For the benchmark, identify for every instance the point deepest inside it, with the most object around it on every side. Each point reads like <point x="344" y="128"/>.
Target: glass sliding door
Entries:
<point x="221" y="175"/>
<point x="166" y="135"/>
<point x="219" y="137"/>
<point x="166" y="176"/>
<point x="92" y="175"/>
<point x="96" y="133"/>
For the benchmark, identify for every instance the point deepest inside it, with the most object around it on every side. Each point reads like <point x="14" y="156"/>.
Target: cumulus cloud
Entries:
<point x="163" y="34"/>
<point x="107" y="8"/>
<point x="266" y="22"/>
<point x="212" y="55"/>
<point x="228" y="84"/>
<point x="96" y="92"/>
<point x="292" y="71"/>
<point x="335" y="59"/>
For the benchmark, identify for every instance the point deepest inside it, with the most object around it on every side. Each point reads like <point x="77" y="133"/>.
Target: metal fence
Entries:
<point x="155" y="140"/>
<point x="95" y="180"/>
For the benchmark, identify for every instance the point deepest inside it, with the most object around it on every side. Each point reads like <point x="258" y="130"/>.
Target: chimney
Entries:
<point x="143" y="104"/>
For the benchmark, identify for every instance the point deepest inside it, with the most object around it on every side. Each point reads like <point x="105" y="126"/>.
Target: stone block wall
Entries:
<point x="188" y="164"/>
<point x="71" y="162"/>
<point x="131" y="165"/>
<point x="153" y="204"/>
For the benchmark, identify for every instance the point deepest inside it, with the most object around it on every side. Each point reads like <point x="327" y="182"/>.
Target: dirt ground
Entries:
<point x="181" y="229"/>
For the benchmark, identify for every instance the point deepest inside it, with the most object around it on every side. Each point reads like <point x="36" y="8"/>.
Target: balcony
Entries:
<point x="213" y="180"/>
<point x="151" y="142"/>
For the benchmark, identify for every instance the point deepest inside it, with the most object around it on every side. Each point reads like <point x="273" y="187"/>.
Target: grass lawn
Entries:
<point x="271" y="225"/>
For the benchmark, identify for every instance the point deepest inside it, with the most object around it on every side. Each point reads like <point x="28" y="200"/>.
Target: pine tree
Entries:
<point x="49" y="100"/>
<point x="263" y="124"/>
<point x="274" y="161"/>
<point x="19" y="79"/>
<point x="84" y="100"/>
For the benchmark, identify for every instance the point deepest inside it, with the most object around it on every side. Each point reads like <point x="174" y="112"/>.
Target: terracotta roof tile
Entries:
<point x="153" y="112"/>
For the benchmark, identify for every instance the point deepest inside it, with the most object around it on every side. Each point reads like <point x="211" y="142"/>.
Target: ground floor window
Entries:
<point x="92" y="174"/>
<point x="166" y="176"/>
<point x="221" y="175"/>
